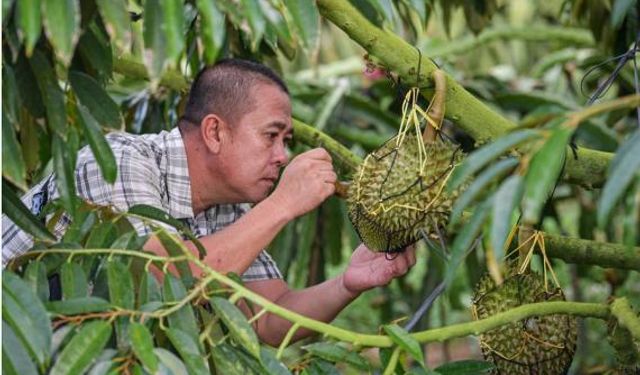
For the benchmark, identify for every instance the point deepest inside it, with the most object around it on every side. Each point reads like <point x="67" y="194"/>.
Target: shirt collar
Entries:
<point x="177" y="180"/>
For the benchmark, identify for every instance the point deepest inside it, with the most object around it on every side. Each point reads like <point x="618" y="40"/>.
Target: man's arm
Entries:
<point x="324" y="301"/>
<point x="305" y="183"/>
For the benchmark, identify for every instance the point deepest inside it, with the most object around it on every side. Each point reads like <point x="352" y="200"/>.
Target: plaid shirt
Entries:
<point x="152" y="170"/>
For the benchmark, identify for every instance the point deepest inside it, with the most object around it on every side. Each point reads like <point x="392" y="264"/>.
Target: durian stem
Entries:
<point x="621" y="309"/>
<point x="469" y="113"/>
<point x="436" y="107"/>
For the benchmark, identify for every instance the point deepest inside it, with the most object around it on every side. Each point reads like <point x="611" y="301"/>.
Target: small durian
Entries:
<point x="396" y="194"/>
<point x="536" y="345"/>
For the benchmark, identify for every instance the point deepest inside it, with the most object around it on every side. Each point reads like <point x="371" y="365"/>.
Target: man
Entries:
<point x="225" y="154"/>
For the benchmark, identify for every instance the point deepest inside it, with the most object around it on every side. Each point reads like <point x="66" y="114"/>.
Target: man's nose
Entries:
<point x="281" y="156"/>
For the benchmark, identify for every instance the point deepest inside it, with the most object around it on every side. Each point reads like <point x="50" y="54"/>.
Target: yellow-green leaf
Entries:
<point x="142" y="345"/>
<point x="28" y="13"/>
<point x="237" y="324"/>
<point x="406" y="342"/>
<point x="189" y="350"/>
<point x="116" y="20"/>
<point x="85" y="346"/>
<point x="212" y="29"/>
<point x="62" y="26"/>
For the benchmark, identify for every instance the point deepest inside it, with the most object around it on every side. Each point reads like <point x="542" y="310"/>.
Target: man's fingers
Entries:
<point x="318" y="154"/>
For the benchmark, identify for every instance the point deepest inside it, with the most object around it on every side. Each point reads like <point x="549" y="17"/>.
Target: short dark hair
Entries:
<point x="225" y="89"/>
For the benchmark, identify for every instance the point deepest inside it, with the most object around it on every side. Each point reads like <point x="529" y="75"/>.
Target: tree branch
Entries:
<point x="603" y="254"/>
<point x="627" y="318"/>
<point x="469" y="113"/>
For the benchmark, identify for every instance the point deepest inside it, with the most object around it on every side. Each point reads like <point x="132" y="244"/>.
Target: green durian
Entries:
<point x="536" y="345"/>
<point x="393" y="198"/>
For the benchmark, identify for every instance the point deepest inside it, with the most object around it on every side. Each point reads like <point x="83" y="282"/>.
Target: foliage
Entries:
<point x="73" y="70"/>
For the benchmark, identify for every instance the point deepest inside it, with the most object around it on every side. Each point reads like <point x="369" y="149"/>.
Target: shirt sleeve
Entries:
<point x="138" y="182"/>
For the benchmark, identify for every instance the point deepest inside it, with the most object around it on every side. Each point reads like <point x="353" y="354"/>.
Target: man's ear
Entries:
<point x="213" y="132"/>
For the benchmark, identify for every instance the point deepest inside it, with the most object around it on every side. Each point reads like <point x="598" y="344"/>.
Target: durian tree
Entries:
<point x="518" y="122"/>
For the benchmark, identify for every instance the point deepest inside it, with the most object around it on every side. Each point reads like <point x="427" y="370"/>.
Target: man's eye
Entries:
<point x="272" y="135"/>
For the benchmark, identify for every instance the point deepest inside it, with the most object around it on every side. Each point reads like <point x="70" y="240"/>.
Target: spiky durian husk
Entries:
<point x="537" y="345"/>
<point x="391" y="201"/>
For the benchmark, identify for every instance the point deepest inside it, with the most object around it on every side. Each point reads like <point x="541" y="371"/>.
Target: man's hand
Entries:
<point x="306" y="182"/>
<point x="368" y="269"/>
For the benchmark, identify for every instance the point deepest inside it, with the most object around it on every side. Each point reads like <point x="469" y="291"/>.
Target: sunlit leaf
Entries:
<point x="52" y="95"/>
<point x="155" y="44"/>
<point x="188" y="348"/>
<point x="36" y="276"/>
<point x="28" y="14"/>
<point x="622" y="170"/>
<point x="257" y="23"/>
<point x="307" y="20"/>
<point x="479" y="186"/>
<point x="85" y="346"/>
<point x="171" y="362"/>
<point x="62" y="26"/>
<point x="507" y="198"/>
<point x="13" y="207"/>
<point x="13" y="168"/>
<point x="26" y="314"/>
<point x="183" y="319"/>
<point x="479" y="158"/>
<point x="406" y="342"/>
<point x="142" y="345"/>
<point x="75" y="306"/>
<point x="116" y="19"/>
<point x="544" y="170"/>
<point x="466" y="237"/>
<point x="64" y="172"/>
<point x="237" y="324"/>
<point x="15" y="358"/>
<point x="337" y="353"/>
<point x="121" y="294"/>
<point x="74" y="281"/>
<point x="212" y="29"/>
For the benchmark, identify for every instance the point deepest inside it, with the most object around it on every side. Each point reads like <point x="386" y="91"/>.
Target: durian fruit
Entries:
<point x="393" y="196"/>
<point x="536" y="345"/>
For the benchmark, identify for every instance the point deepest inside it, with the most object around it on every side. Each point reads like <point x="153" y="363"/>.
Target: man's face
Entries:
<point x="256" y="152"/>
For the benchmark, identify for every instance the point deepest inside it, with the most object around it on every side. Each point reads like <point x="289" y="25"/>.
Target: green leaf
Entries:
<point x="212" y="30"/>
<point x="121" y="294"/>
<point x="149" y="289"/>
<point x="62" y="25"/>
<point x="52" y="95"/>
<point x="479" y="158"/>
<point x="237" y="324"/>
<point x="465" y="367"/>
<point x="307" y="20"/>
<point x="154" y="40"/>
<point x="479" y="186"/>
<point x="183" y="319"/>
<point x="174" y="248"/>
<point x="13" y="168"/>
<point x="507" y="198"/>
<point x="36" y="277"/>
<point x="336" y="353"/>
<point x="543" y="172"/>
<point x="142" y="345"/>
<point x="464" y="239"/>
<point x="173" y="16"/>
<point x="28" y="14"/>
<point x="76" y="306"/>
<point x="624" y="167"/>
<point x="116" y="20"/>
<point x="257" y="23"/>
<point x="227" y="360"/>
<point x="99" y="146"/>
<point x="171" y="362"/>
<point x="619" y="12"/>
<point x="82" y="350"/>
<point x="64" y="172"/>
<point x="74" y="281"/>
<point x="189" y="350"/>
<point x="271" y="364"/>
<point x="33" y="310"/>
<point x="13" y="207"/>
<point x="15" y="358"/>
<point x="406" y="342"/>
<point x="95" y="102"/>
